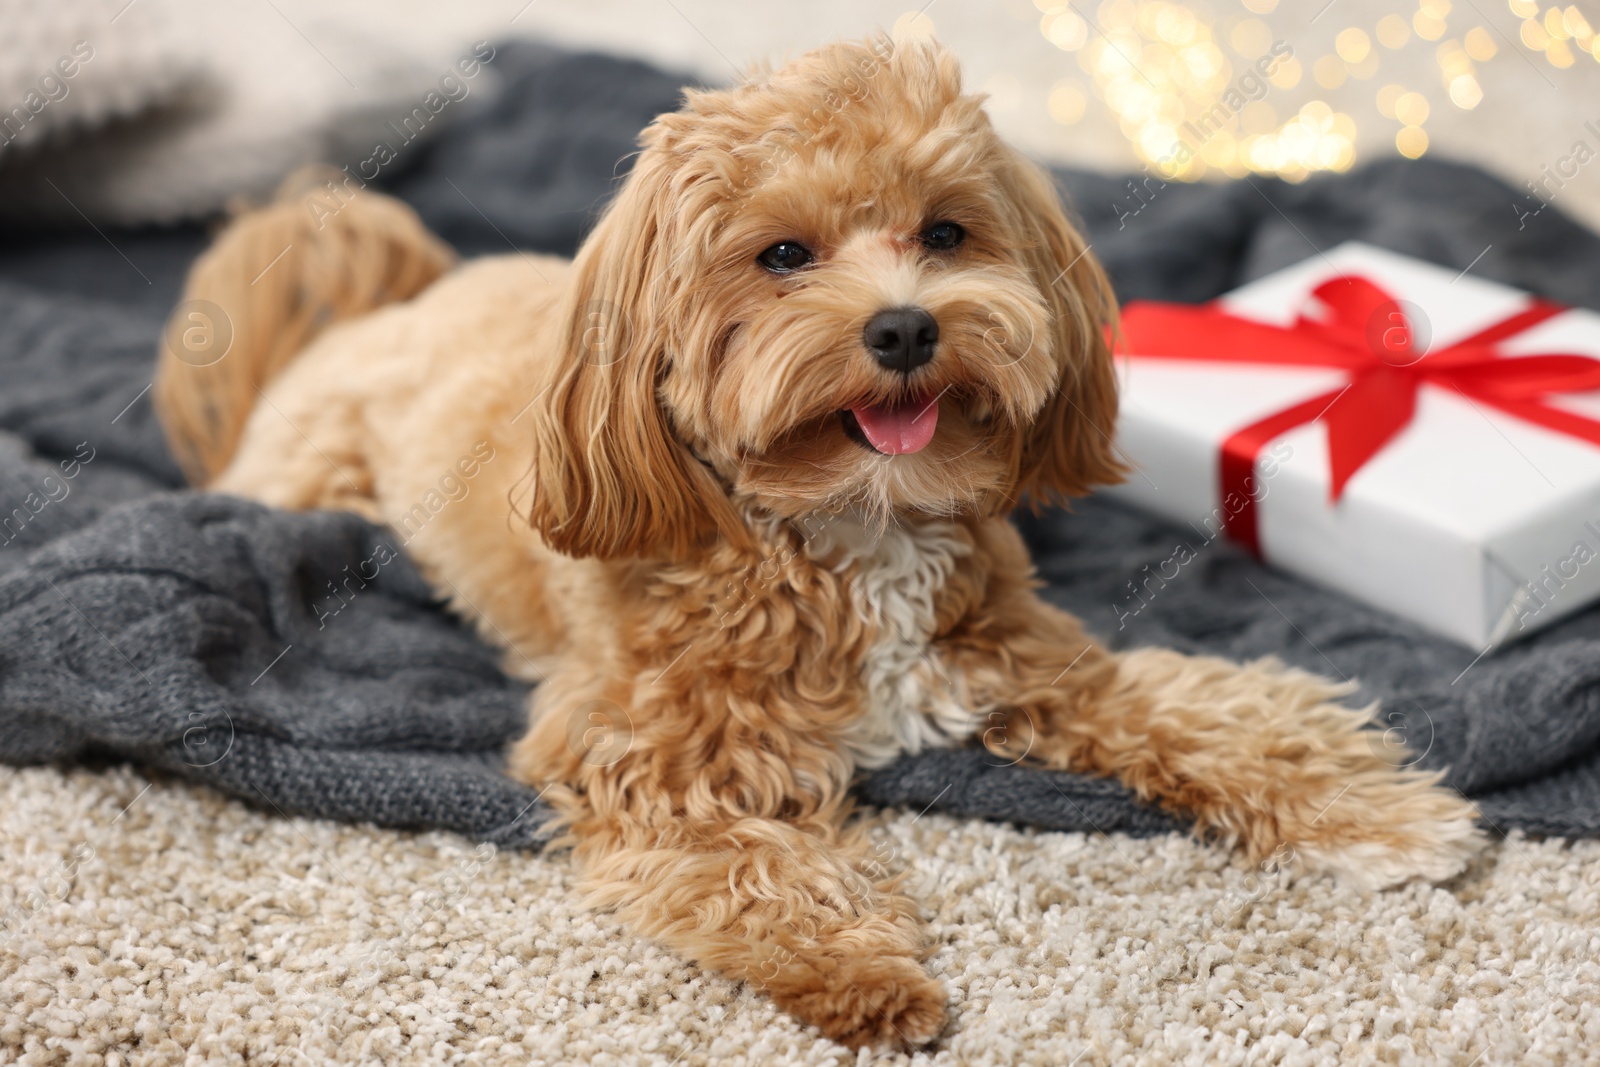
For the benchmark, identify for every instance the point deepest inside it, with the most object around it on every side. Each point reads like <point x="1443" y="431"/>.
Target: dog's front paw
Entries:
<point x="867" y="1001"/>
<point x="1386" y="828"/>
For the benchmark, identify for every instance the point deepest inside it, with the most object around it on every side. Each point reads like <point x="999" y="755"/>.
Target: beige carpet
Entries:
<point x="159" y="923"/>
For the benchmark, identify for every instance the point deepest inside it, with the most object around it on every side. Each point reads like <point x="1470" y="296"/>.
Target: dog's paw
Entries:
<point x="871" y="1001"/>
<point x="1382" y="833"/>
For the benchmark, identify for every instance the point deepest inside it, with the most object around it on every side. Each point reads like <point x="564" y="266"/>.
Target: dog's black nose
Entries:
<point x="901" y="339"/>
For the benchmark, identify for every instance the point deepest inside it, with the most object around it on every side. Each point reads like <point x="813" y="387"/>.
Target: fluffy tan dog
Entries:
<point x="740" y="474"/>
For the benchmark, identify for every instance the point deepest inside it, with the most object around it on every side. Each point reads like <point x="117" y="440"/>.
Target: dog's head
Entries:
<point x="832" y="286"/>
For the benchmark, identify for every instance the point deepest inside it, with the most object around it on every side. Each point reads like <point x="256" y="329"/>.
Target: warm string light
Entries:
<point x="1556" y="32"/>
<point x="1189" y="107"/>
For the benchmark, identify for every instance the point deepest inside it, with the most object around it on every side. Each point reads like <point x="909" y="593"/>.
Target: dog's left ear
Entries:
<point x="611" y="478"/>
<point x="1068" y="450"/>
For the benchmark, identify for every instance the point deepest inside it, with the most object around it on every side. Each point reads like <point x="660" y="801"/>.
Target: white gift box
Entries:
<point x="1475" y="523"/>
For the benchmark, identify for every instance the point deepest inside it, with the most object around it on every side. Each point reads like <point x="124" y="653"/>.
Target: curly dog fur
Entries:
<point x="748" y="544"/>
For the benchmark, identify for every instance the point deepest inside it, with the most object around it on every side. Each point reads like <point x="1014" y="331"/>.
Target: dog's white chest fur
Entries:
<point x="913" y="700"/>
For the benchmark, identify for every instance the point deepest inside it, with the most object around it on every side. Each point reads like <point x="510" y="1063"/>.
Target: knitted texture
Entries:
<point x="196" y="634"/>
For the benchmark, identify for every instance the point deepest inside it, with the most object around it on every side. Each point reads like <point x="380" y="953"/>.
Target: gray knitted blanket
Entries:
<point x="181" y="631"/>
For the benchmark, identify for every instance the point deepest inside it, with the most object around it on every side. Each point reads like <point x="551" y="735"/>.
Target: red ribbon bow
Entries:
<point x="1366" y="333"/>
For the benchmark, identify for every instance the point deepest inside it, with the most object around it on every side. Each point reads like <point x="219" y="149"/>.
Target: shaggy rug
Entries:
<point x="156" y="923"/>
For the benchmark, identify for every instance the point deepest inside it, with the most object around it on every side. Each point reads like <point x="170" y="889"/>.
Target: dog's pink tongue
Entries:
<point x="899" y="429"/>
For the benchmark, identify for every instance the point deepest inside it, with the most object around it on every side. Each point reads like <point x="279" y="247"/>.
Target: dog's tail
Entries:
<point x="275" y="278"/>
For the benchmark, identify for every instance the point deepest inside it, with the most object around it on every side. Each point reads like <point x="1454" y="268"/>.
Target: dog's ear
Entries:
<point x="610" y="477"/>
<point x="1068" y="451"/>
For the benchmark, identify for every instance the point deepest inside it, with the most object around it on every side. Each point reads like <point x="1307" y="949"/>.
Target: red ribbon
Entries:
<point x="1365" y="333"/>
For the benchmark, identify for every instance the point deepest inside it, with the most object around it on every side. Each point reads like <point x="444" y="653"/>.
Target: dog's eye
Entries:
<point x="943" y="236"/>
<point x="785" y="256"/>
